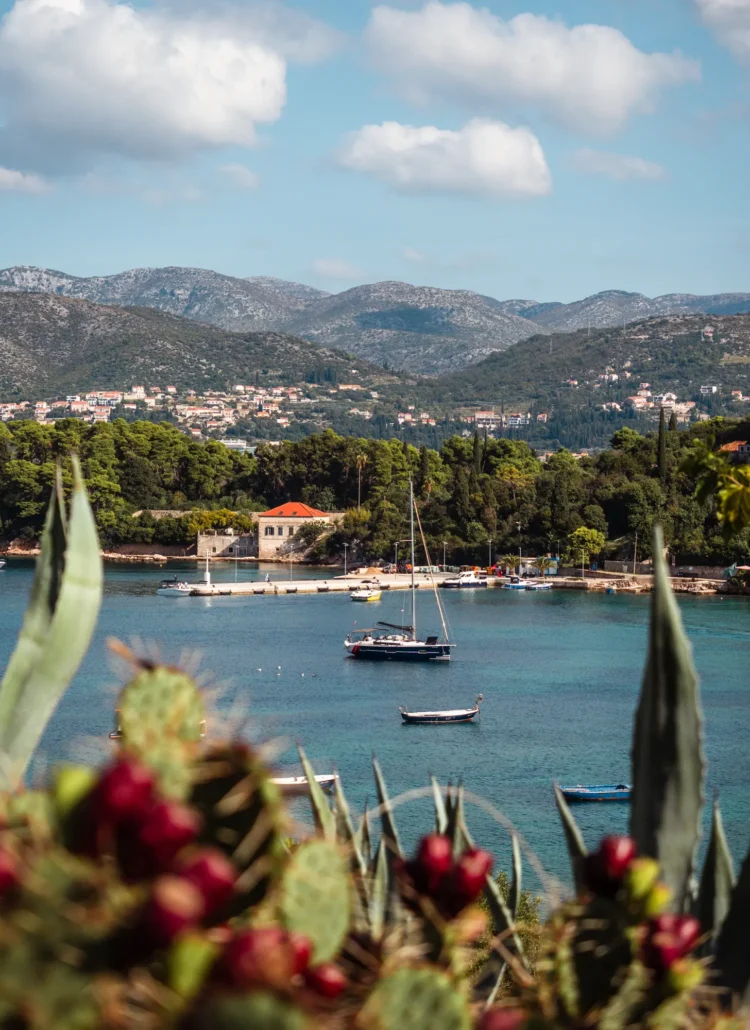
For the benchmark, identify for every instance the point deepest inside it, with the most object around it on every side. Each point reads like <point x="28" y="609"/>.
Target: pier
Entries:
<point x="337" y="585"/>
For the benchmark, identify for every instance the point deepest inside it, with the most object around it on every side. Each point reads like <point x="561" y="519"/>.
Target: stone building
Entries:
<point x="225" y="543"/>
<point x="277" y="526"/>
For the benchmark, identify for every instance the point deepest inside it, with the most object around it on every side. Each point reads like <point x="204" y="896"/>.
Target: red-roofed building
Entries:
<point x="277" y="526"/>
<point x="739" y="450"/>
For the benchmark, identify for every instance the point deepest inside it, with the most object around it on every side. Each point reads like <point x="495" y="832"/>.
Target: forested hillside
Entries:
<point x="472" y="493"/>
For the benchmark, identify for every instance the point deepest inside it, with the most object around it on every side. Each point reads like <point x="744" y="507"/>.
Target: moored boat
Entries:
<point x="514" y="583"/>
<point x="464" y="580"/>
<point x="2" y="563"/>
<point x="446" y="715"/>
<point x="390" y="642"/>
<point x="297" y="786"/>
<point x="365" y="594"/>
<point x="174" y="588"/>
<point x="597" y="792"/>
<point x="538" y="586"/>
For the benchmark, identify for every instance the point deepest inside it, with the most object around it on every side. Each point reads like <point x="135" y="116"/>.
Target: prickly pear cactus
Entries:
<point x="417" y="999"/>
<point x="241" y="814"/>
<point x="316" y="896"/>
<point x="161" y="702"/>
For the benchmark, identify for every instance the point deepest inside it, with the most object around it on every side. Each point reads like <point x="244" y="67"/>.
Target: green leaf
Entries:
<point x="390" y="833"/>
<point x="441" y="816"/>
<point x="379" y="893"/>
<point x="57" y="629"/>
<point x="517" y="880"/>
<point x="717" y="880"/>
<point x="667" y="751"/>
<point x="316" y="897"/>
<point x="362" y="840"/>
<point x="732" y="952"/>
<point x="325" y="820"/>
<point x="573" y="838"/>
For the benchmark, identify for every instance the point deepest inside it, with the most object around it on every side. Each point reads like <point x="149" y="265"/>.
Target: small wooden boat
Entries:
<point x="365" y="594"/>
<point x="538" y="586"/>
<point x="598" y="792"/>
<point x="451" y="715"/>
<point x="297" y="786"/>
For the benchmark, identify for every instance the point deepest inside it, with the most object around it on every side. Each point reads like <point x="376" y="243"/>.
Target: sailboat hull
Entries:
<point x="394" y="652"/>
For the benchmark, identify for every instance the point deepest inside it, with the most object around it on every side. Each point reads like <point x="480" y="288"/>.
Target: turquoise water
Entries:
<point x="559" y="671"/>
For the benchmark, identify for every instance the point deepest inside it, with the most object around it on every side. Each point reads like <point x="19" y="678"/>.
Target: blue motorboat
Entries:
<point x="514" y="583"/>
<point x="598" y="792"/>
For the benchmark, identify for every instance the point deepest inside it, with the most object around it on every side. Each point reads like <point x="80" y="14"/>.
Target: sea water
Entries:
<point x="560" y="673"/>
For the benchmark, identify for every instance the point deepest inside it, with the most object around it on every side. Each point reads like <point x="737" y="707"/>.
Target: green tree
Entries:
<point x="583" y="545"/>
<point x="662" y="449"/>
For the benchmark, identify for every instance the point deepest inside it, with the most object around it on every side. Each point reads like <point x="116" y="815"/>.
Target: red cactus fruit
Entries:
<point x="150" y="846"/>
<point x="433" y="862"/>
<point x="301" y="949"/>
<point x="670" y="938"/>
<point x="258" y="957"/>
<point x="605" y="868"/>
<point x="469" y="876"/>
<point x="212" y="873"/>
<point x="502" y="1019"/>
<point x="124" y="791"/>
<point x="10" y="877"/>
<point x="175" y="905"/>
<point x="325" y="980"/>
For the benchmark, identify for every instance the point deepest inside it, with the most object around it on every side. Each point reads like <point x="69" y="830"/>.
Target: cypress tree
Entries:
<point x="661" y="459"/>
<point x="673" y="423"/>
<point x="477" y="454"/>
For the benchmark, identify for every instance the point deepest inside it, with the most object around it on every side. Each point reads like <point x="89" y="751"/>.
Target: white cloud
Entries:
<point x="617" y="166"/>
<point x="288" y="31"/>
<point x="335" y="268"/>
<point x="483" y="158"/>
<point x="410" y="254"/>
<point x="84" y="78"/>
<point x="589" y="77"/>
<point x="12" y="181"/>
<point x="730" y="21"/>
<point x="240" y="176"/>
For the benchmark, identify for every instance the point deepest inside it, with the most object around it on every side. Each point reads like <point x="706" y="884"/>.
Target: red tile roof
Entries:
<point x="733" y="446"/>
<point x="294" y="509"/>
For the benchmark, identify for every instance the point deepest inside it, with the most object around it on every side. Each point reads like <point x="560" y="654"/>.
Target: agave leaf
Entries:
<point x="390" y="833"/>
<point x="456" y="828"/>
<point x="324" y="817"/>
<point x="573" y="838"/>
<point x="441" y="816"/>
<point x="362" y="840"/>
<point x="717" y="880"/>
<point x="379" y="893"/>
<point x="495" y="969"/>
<point x="345" y="829"/>
<point x="732" y="952"/>
<point x="667" y="754"/>
<point x="65" y="603"/>
<point x="514" y="898"/>
<point x="45" y="591"/>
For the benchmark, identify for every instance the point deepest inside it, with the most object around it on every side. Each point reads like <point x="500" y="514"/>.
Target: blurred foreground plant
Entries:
<point x="161" y="891"/>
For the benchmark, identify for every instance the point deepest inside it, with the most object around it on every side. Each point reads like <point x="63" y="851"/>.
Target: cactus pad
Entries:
<point x="161" y="702"/>
<point x="259" y="1011"/>
<point x="316" y="895"/>
<point x="420" y="999"/>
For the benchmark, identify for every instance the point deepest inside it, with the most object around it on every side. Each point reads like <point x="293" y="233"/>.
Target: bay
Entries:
<point x="560" y="673"/>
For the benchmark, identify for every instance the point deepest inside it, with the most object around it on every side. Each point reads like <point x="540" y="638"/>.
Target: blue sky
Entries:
<point x="545" y="150"/>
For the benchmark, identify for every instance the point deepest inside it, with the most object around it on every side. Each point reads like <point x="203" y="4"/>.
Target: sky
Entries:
<point x="534" y="149"/>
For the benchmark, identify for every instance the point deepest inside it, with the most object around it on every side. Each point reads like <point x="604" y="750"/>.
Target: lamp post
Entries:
<point x="518" y="527"/>
<point x="402" y="541"/>
<point x="345" y="549"/>
<point x="444" y="543"/>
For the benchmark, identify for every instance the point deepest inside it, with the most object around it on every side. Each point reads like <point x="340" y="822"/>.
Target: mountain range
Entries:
<point x="51" y="345"/>
<point x="415" y="328"/>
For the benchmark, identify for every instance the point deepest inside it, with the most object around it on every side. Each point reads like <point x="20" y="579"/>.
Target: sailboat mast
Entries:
<point x="413" y="594"/>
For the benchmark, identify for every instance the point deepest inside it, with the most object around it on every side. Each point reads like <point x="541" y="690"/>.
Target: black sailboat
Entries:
<point x="388" y="642"/>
